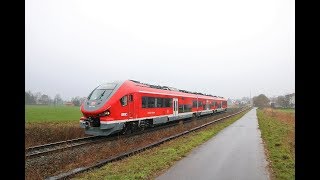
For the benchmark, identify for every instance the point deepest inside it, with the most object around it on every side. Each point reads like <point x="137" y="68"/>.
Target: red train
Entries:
<point x="124" y="106"/>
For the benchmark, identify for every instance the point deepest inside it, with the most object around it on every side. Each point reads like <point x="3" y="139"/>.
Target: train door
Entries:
<point x="207" y="105"/>
<point x="175" y="106"/>
<point x="130" y="106"/>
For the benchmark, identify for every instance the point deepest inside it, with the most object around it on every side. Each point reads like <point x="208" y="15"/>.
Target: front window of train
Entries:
<point x="102" y="91"/>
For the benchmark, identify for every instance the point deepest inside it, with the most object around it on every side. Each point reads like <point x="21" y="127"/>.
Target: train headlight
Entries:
<point x="105" y="113"/>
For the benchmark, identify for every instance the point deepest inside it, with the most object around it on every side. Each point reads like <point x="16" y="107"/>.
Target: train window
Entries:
<point x="130" y="98"/>
<point x="151" y="102"/>
<point x="163" y="102"/>
<point x="167" y="102"/>
<point x="107" y="86"/>
<point x="184" y="108"/>
<point x="180" y="108"/>
<point x="159" y="102"/>
<point x="99" y="93"/>
<point x="187" y="108"/>
<point x="194" y="103"/>
<point x="124" y="100"/>
<point x="214" y="103"/>
<point x="144" y="102"/>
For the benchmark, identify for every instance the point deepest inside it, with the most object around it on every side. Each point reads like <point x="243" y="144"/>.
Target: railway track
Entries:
<point x="129" y="153"/>
<point x="72" y="143"/>
<point x="61" y="145"/>
<point x="41" y="150"/>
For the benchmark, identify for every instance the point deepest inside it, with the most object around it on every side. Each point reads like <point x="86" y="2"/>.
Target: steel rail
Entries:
<point x="47" y="148"/>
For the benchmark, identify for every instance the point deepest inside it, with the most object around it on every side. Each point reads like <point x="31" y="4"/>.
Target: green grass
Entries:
<point x="289" y="110"/>
<point x="279" y="138"/>
<point x="41" y="113"/>
<point x="150" y="163"/>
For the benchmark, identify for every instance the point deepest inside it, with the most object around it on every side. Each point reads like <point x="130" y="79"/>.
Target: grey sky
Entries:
<point x="226" y="48"/>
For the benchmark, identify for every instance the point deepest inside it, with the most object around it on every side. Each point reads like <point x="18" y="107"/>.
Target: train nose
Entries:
<point x="90" y="122"/>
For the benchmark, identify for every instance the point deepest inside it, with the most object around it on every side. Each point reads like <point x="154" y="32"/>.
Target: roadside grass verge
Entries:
<point x="277" y="130"/>
<point x="44" y="113"/>
<point x="151" y="163"/>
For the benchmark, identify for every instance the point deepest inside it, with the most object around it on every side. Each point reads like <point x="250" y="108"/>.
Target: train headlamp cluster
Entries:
<point x="105" y="113"/>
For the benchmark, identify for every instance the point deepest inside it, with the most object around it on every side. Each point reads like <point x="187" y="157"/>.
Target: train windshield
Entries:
<point x="102" y="91"/>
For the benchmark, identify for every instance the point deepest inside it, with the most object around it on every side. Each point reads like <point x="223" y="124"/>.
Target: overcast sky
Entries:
<point x="226" y="48"/>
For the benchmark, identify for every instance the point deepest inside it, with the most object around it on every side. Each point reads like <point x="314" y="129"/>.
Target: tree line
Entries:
<point x="286" y="101"/>
<point x="44" y="99"/>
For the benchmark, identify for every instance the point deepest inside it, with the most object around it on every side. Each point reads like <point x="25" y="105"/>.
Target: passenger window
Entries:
<point x="124" y="100"/>
<point x="159" y="102"/>
<point x="130" y="98"/>
<point x="144" y="102"/>
<point x="180" y="110"/>
<point x="167" y="102"/>
<point x="151" y="102"/>
<point x="194" y="103"/>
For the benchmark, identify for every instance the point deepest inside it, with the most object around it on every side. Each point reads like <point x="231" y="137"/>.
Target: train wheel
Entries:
<point x="127" y="129"/>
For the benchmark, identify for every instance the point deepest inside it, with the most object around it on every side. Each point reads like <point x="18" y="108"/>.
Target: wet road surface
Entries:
<point x="234" y="153"/>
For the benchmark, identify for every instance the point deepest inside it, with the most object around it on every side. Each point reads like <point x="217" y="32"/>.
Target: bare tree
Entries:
<point x="29" y="98"/>
<point x="281" y="101"/>
<point x="76" y="101"/>
<point x="44" y="99"/>
<point x="57" y="100"/>
<point x="261" y="101"/>
<point x="37" y="96"/>
<point x="289" y="102"/>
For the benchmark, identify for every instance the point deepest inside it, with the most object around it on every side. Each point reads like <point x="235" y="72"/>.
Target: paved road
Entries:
<point x="235" y="153"/>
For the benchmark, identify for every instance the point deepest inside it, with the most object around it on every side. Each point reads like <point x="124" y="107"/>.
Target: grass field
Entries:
<point x="47" y="124"/>
<point x="151" y="163"/>
<point x="278" y="132"/>
<point x="40" y="113"/>
<point x="286" y="110"/>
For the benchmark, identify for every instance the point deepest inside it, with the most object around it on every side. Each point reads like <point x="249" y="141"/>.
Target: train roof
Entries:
<point x="175" y="90"/>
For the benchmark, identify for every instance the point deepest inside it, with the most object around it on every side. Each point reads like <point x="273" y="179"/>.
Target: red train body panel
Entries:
<point x="126" y="105"/>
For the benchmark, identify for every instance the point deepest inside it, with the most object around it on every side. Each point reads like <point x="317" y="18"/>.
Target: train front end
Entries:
<point x="99" y="108"/>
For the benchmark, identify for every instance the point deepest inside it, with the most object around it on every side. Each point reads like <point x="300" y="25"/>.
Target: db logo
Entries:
<point x="124" y="114"/>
